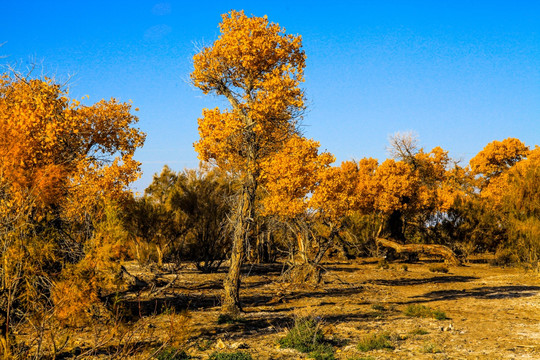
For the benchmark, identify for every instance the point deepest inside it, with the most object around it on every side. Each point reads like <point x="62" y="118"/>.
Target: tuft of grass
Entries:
<point x="378" y="307"/>
<point x="172" y="353"/>
<point x="375" y="342"/>
<point x="419" y="332"/>
<point x="439" y="268"/>
<point x="439" y="315"/>
<point x="415" y="310"/>
<point x="431" y="348"/>
<point x="239" y="355"/>
<point x="307" y="336"/>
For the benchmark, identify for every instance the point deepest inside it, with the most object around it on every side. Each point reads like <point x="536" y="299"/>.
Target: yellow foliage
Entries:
<point x="291" y="175"/>
<point x="258" y="68"/>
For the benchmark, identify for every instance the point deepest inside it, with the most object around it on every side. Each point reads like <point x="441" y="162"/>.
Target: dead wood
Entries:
<point x="430" y="249"/>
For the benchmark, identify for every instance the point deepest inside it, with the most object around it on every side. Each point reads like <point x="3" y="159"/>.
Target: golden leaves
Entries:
<point x="48" y="143"/>
<point x="258" y="68"/>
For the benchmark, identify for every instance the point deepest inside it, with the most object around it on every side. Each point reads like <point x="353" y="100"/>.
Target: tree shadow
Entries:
<point x="486" y="292"/>
<point x="422" y="281"/>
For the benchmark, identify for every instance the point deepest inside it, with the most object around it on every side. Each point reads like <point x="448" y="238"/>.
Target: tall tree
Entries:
<point x="59" y="161"/>
<point x="258" y="68"/>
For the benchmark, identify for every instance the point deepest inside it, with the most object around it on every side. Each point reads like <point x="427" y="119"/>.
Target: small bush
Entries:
<point x="239" y="355"/>
<point x="431" y="348"/>
<point x="440" y="268"/>
<point x="419" y="332"/>
<point x="504" y="257"/>
<point x="172" y="353"/>
<point x="306" y="336"/>
<point x="375" y="342"/>
<point x="439" y="315"/>
<point x="415" y="310"/>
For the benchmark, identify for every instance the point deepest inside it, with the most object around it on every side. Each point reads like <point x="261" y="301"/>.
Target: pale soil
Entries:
<point x="494" y="313"/>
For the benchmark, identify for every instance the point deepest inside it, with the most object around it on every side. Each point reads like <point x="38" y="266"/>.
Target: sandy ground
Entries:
<point x="493" y="313"/>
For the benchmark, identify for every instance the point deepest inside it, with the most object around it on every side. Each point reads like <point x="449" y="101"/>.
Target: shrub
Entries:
<point x="504" y="257"/>
<point x="239" y="355"/>
<point x="419" y="332"/>
<point x="378" y="307"/>
<point x="375" y="342"/>
<point x="172" y="353"/>
<point x="306" y="336"/>
<point x="431" y="348"/>
<point x="415" y="310"/>
<point x="438" y="268"/>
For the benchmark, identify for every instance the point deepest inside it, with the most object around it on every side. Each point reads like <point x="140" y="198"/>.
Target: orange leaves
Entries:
<point x="258" y="68"/>
<point x="498" y="156"/>
<point x="291" y="175"/>
<point x="48" y="143"/>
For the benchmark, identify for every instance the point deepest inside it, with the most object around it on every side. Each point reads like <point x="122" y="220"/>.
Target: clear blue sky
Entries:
<point x="459" y="73"/>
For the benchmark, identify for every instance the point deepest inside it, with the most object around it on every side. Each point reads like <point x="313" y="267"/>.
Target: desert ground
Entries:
<point x="492" y="312"/>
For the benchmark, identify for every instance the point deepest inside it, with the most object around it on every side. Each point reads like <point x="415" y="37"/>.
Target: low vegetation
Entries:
<point x="422" y="311"/>
<point x="376" y="342"/>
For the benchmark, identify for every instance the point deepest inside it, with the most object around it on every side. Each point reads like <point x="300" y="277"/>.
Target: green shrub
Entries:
<point x="439" y="315"/>
<point x="172" y="353"/>
<point x="375" y="342"/>
<point x="239" y="355"/>
<point x="306" y="336"/>
<point x="439" y="268"/>
<point x="415" y="310"/>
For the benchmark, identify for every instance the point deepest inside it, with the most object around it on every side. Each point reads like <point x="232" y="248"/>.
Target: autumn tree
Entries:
<point x="59" y="162"/>
<point x="258" y="68"/>
<point x="289" y="179"/>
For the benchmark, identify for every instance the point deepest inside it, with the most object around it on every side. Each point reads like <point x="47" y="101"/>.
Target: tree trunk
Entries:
<point x="243" y="223"/>
<point x="430" y="249"/>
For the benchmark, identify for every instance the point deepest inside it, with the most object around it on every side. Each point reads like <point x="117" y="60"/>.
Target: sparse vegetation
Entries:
<point x="172" y="353"/>
<point x="239" y="355"/>
<point x="375" y="342"/>
<point x="431" y="348"/>
<point x="416" y="310"/>
<point x="307" y="336"/>
<point x="419" y="332"/>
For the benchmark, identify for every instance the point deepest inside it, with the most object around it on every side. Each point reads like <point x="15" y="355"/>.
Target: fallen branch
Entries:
<point x="429" y="249"/>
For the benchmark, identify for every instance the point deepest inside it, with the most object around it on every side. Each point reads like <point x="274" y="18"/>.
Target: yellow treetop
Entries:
<point x="258" y="68"/>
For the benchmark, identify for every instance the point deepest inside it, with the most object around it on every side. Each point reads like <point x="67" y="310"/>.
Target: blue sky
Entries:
<point x="459" y="73"/>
